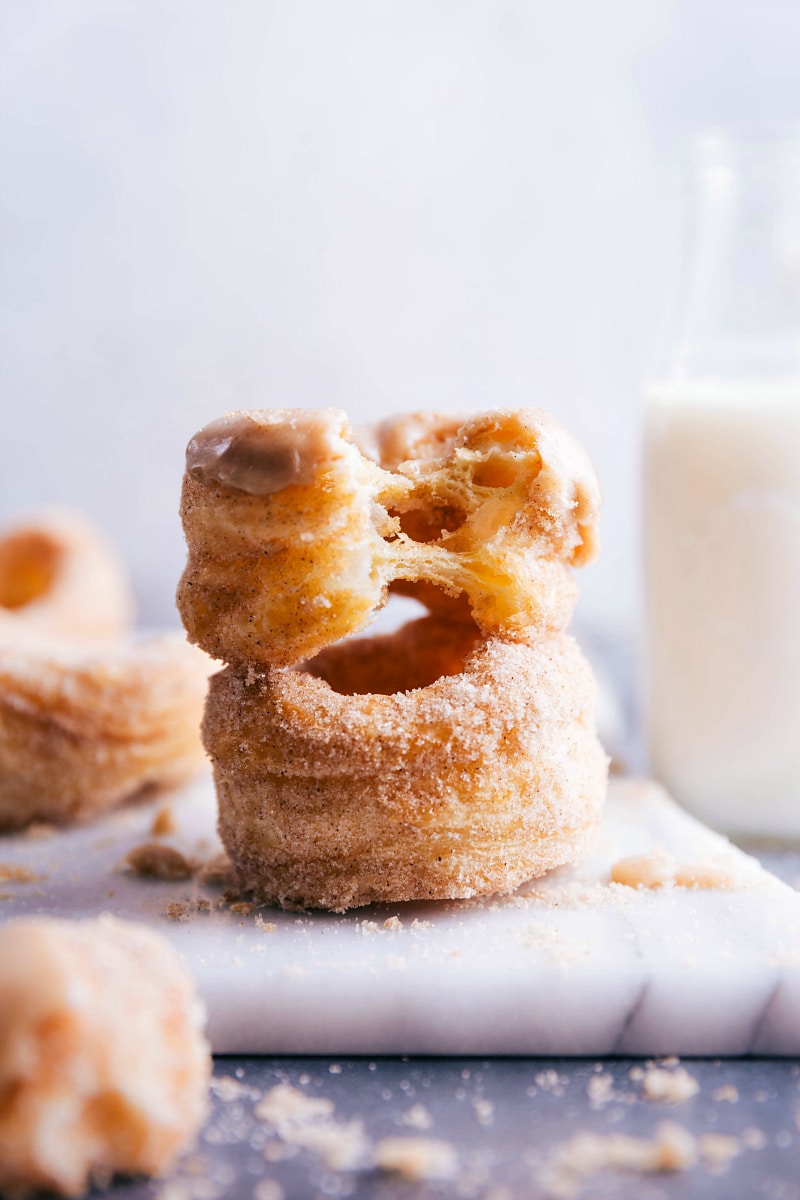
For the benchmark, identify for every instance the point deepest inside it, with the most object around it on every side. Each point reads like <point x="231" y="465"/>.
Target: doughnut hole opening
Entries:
<point x="413" y="656"/>
<point x="29" y="562"/>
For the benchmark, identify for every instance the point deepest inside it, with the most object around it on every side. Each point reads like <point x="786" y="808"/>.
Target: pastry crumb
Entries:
<point x="38" y="830"/>
<point x="283" y="1104"/>
<point x="164" y="822"/>
<point x="11" y="873"/>
<point x="392" y="923"/>
<point x="718" y="1149"/>
<point x="600" y="1090"/>
<point x="674" y="1086"/>
<point x="265" y="926"/>
<point x="154" y="861"/>
<point x="417" y="1117"/>
<point x="217" y="872"/>
<point x="659" y="869"/>
<point x="672" y="1149"/>
<point x="728" y="1092"/>
<point x="307" y="1122"/>
<point x="176" y="911"/>
<point x="416" y="1159"/>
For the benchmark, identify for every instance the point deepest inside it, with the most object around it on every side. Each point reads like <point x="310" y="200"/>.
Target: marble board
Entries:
<point x="570" y="965"/>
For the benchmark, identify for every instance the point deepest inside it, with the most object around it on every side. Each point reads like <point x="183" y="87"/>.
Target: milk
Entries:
<point x="722" y="545"/>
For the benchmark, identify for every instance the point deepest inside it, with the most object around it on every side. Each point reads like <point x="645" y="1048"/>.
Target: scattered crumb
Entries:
<point x="217" y="872"/>
<point x="672" y="1149"/>
<point x="417" y="924"/>
<point x="228" y="1089"/>
<point x="417" y="1117"/>
<point x="283" y="1104"/>
<point x="484" y="1111"/>
<point x="307" y="1121"/>
<point x="416" y="1159"/>
<point x="659" y="869"/>
<point x="728" y="1091"/>
<point x="342" y="1146"/>
<point x="392" y="923"/>
<point x="39" y="829"/>
<point x="242" y="908"/>
<point x="600" y="1090"/>
<point x="164" y="822"/>
<point x="335" y="1069"/>
<point x="718" y="1150"/>
<point x="176" y="912"/>
<point x="549" y="1081"/>
<point x="367" y="927"/>
<point x="265" y="926"/>
<point x="11" y="873"/>
<point x="673" y="1087"/>
<point x="154" y="861"/>
<point x="636" y="1074"/>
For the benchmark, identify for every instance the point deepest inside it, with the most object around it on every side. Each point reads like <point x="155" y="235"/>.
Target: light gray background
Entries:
<point x="379" y="205"/>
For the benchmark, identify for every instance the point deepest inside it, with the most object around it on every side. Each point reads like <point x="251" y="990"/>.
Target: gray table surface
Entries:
<point x="505" y="1118"/>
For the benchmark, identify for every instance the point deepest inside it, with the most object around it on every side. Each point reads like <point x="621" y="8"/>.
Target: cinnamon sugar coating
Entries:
<point x="495" y="507"/>
<point x="83" y="729"/>
<point x="103" y="1066"/>
<point x="88" y="715"/>
<point x="467" y="786"/>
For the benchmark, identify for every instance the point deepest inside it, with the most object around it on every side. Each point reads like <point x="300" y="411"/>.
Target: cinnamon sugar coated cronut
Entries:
<point x="89" y="714"/>
<point x="294" y="536"/>
<point x="103" y="1065"/>
<point x="454" y="757"/>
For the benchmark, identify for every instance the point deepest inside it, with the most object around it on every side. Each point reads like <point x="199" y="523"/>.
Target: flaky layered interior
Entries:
<point x="282" y="565"/>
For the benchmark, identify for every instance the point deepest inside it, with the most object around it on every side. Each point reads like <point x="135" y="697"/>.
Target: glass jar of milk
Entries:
<point x="722" y="500"/>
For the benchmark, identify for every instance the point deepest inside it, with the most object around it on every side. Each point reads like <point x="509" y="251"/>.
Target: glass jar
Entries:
<point x="722" y="499"/>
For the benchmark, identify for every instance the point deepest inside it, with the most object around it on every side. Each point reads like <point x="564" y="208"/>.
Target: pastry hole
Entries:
<point x="413" y="656"/>
<point x="28" y="567"/>
<point x="428" y="525"/>
<point x="494" y="472"/>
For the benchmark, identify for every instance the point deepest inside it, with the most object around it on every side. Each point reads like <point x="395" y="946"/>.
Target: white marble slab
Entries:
<point x="569" y="965"/>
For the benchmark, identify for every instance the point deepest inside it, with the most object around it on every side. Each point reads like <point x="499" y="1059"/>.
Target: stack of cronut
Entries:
<point x="455" y="757"/>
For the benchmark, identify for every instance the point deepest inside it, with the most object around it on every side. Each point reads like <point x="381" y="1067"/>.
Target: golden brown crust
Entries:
<point x="103" y="1066"/>
<point x="277" y="575"/>
<point x="468" y="786"/>
<point x="82" y="730"/>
